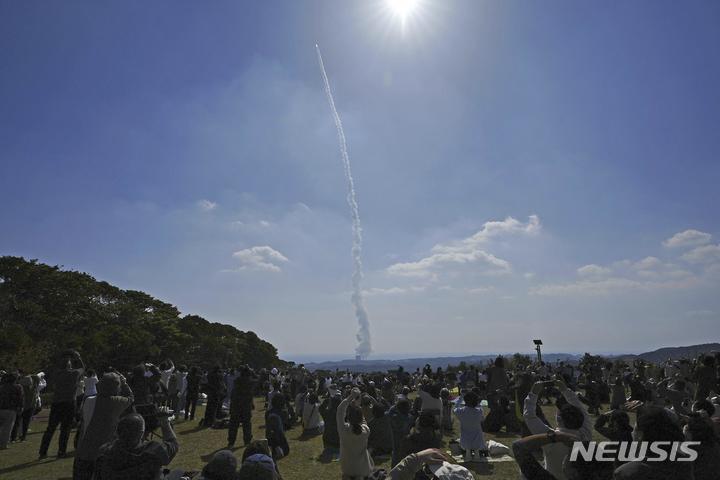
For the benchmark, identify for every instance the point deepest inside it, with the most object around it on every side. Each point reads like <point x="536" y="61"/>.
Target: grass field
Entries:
<point x="20" y="462"/>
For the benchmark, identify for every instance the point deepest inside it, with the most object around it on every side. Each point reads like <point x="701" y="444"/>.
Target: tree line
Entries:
<point x="45" y="310"/>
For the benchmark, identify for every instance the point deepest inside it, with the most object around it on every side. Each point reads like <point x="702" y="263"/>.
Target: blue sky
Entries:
<point x="522" y="168"/>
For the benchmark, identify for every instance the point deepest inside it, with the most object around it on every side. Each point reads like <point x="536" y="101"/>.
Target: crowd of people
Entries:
<point x="405" y="416"/>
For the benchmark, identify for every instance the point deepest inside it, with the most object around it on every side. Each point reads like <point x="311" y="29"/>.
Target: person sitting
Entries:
<point x="222" y="466"/>
<point x="422" y="436"/>
<point x="572" y="418"/>
<point x="275" y="428"/>
<point x="700" y="429"/>
<point x="615" y="426"/>
<point x="572" y="470"/>
<point x="259" y="447"/>
<point x="400" y="424"/>
<point x="470" y="416"/>
<point x="129" y="457"/>
<point x="707" y="408"/>
<point x="431" y="402"/>
<point x="656" y="424"/>
<point x="380" y="440"/>
<point x="355" y="461"/>
<point x="258" y="467"/>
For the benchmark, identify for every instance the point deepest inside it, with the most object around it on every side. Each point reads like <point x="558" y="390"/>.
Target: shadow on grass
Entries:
<point x="198" y="428"/>
<point x="479" y="468"/>
<point x="328" y="456"/>
<point x="306" y="437"/>
<point x="30" y="464"/>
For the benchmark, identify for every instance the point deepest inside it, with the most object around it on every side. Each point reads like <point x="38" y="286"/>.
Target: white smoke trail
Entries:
<point x="364" y="346"/>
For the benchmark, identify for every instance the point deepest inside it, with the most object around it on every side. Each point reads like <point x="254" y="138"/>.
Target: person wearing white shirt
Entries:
<point x="312" y="421"/>
<point x="91" y="381"/>
<point x="470" y="415"/>
<point x="572" y="418"/>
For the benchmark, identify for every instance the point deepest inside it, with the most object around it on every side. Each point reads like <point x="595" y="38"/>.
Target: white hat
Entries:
<point x="451" y="471"/>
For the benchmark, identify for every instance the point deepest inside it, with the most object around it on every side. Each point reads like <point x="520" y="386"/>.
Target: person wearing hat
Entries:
<point x="222" y="466"/>
<point x="258" y="467"/>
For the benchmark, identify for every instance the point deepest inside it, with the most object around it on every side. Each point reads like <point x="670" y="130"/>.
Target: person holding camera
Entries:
<point x="101" y="414"/>
<point x="130" y="457"/>
<point x="62" y="409"/>
<point x="355" y="461"/>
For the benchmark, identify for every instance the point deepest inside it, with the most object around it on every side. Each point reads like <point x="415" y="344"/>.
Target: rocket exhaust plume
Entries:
<point x="364" y="346"/>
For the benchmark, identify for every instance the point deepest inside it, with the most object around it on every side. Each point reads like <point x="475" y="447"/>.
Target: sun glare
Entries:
<point x="402" y="8"/>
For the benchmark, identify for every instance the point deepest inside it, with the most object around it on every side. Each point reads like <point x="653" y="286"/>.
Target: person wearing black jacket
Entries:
<point x="193" y="392"/>
<point x="241" y="406"/>
<point x="215" y="391"/>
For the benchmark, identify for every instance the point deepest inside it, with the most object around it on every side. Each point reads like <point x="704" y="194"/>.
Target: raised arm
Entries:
<point x="534" y="424"/>
<point x="524" y="448"/>
<point x="572" y="399"/>
<point x="457" y="408"/>
<point x="342" y="408"/>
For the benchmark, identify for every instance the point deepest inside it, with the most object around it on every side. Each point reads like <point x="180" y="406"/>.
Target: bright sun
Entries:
<point x="402" y="8"/>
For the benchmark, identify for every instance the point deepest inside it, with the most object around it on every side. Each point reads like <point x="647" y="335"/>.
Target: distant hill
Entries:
<point x="676" y="353"/>
<point x="410" y="364"/>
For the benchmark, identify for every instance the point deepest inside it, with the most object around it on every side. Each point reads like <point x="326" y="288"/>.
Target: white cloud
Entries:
<point x="264" y="223"/>
<point x="430" y="267"/>
<point x="704" y="254"/>
<point x="469" y="252"/>
<point x="492" y="229"/>
<point x="480" y="290"/>
<point x="647" y="263"/>
<point x="592" y="270"/>
<point x="688" y="238"/>
<point x="206" y="205"/>
<point x="262" y="258"/>
<point x="392" y="291"/>
<point x="611" y="285"/>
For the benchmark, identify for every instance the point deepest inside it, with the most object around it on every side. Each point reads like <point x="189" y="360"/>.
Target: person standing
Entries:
<point x="215" y="390"/>
<point x="62" y="409"/>
<point x="101" y="414"/>
<point x="192" y="392"/>
<point x="11" y="405"/>
<point x="242" y="406"/>
<point x="29" y="385"/>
